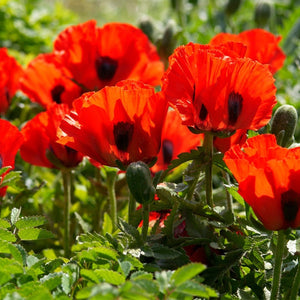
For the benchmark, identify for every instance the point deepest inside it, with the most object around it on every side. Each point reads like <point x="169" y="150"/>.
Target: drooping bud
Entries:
<point x="146" y="25"/>
<point x="232" y="6"/>
<point x="262" y="13"/>
<point x="166" y="43"/>
<point x="139" y="181"/>
<point x="284" y="123"/>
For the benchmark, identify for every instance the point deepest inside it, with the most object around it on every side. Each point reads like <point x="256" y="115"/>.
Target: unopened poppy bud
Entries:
<point x="139" y="181"/>
<point x="262" y="14"/>
<point x="166" y="43"/>
<point x="232" y="6"/>
<point x="146" y="25"/>
<point x="284" y="124"/>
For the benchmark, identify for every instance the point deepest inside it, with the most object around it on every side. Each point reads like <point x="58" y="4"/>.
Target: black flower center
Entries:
<point x="1" y="161"/>
<point x="123" y="134"/>
<point x="56" y="93"/>
<point x="290" y="202"/>
<point x="235" y="105"/>
<point x="167" y="149"/>
<point x="203" y="113"/>
<point x="106" y="67"/>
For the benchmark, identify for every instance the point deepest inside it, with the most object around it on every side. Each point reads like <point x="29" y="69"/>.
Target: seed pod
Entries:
<point x="139" y="181"/>
<point x="284" y="123"/>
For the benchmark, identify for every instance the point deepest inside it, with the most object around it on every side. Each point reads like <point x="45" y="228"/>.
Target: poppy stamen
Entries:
<point x="123" y="134"/>
<point x="290" y="202"/>
<point x="56" y="93"/>
<point x="106" y="67"/>
<point x="167" y="149"/>
<point x="235" y="105"/>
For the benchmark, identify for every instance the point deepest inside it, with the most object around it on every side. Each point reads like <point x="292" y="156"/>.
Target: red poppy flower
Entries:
<point x="268" y="177"/>
<point x="10" y="142"/>
<point x="217" y="92"/>
<point x="224" y="144"/>
<point x="261" y="46"/>
<point x="176" y="138"/>
<point x="40" y="135"/>
<point x="46" y="82"/>
<point x="123" y="122"/>
<point x="98" y="57"/>
<point x="10" y="72"/>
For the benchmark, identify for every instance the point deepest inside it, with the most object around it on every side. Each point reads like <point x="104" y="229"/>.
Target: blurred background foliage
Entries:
<point x="29" y="27"/>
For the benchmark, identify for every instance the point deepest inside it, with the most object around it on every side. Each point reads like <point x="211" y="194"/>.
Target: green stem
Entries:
<point x="278" y="265"/>
<point x="296" y="283"/>
<point x="111" y="180"/>
<point x="131" y="209"/>
<point x="67" y="183"/>
<point x="228" y="195"/>
<point x="208" y="147"/>
<point x="146" y="212"/>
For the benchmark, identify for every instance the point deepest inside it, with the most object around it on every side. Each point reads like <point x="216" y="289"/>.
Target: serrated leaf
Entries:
<point x="110" y="276"/>
<point x="18" y="253"/>
<point x="106" y="253"/>
<point x="89" y="275"/>
<point x="51" y="281"/>
<point x="32" y="234"/>
<point x="130" y="230"/>
<point x="6" y="235"/>
<point x="184" y="157"/>
<point x="149" y="286"/>
<point x="160" y="252"/>
<point x="13" y="179"/>
<point x="126" y="267"/>
<point x="10" y="266"/>
<point x="196" y="290"/>
<point x="4" y="169"/>
<point x="186" y="273"/>
<point x="4" y="224"/>
<point x="4" y="277"/>
<point x="106" y="291"/>
<point x="14" y="215"/>
<point x="66" y="283"/>
<point x="32" y="221"/>
<point x="141" y="275"/>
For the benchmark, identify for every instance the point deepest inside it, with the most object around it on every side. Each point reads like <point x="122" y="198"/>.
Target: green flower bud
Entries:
<point x="284" y="123"/>
<point x="146" y="25"/>
<point x="139" y="181"/>
<point x="232" y="6"/>
<point x="166" y="43"/>
<point x="262" y="14"/>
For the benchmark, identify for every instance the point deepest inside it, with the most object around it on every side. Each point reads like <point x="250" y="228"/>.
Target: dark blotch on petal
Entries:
<point x="167" y="149"/>
<point x="235" y="105"/>
<point x="194" y="93"/>
<point x="1" y="162"/>
<point x="56" y="93"/>
<point x="290" y="202"/>
<point x="123" y="134"/>
<point x="203" y="113"/>
<point x="106" y="67"/>
<point x="7" y="96"/>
